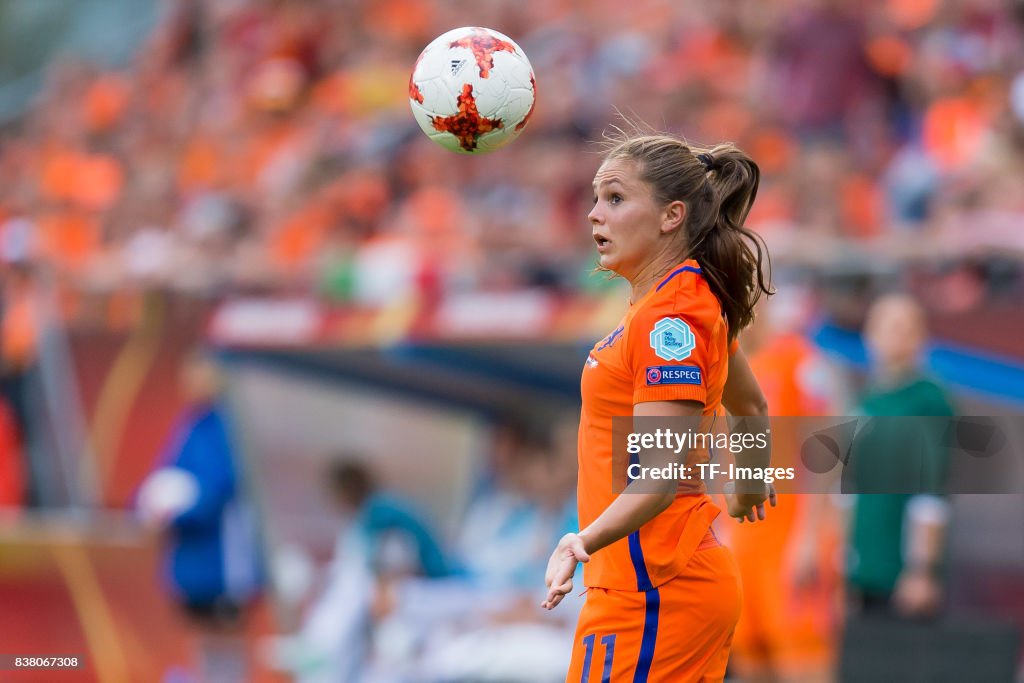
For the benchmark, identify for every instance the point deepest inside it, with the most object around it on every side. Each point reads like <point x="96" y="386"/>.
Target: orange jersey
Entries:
<point x="671" y="345"/>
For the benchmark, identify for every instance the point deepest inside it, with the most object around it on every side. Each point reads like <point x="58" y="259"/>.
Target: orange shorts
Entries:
<point x="678" y="632"/>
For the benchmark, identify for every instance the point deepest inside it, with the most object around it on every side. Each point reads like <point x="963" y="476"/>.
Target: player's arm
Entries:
<point x="742" y="396"/>
<point x="643" y="499"/>
<point x="640" y="502"/>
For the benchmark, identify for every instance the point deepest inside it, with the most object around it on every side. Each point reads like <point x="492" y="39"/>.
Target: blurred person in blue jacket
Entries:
<point x="198" y="498"/>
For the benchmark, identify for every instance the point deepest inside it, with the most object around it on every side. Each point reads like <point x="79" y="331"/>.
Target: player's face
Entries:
<point x="626" y="218"/>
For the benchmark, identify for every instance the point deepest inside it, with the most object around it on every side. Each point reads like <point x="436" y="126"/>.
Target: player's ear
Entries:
<point x="673" y="216"/>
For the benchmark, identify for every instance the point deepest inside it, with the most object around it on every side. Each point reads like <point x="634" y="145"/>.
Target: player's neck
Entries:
<point x="649" y="276"/>
<point x="640" y="288"/>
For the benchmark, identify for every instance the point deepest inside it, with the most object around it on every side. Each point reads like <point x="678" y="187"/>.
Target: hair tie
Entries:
<point x="705" y="159"/>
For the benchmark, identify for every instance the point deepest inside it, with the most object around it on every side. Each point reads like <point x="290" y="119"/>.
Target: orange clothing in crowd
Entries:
<point x="69" y="238"/>
<point x="202" y="164"/>
<point x="105" y="102"/>
<point x="301" y="235"/>
<point x="91" y="181"/>
<point x="953" y="130"/>
<point x="672" y="345"/>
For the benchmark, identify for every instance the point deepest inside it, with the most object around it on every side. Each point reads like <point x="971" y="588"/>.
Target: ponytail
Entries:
<point x="718" y="187"/>
<point x="732" y="257"/>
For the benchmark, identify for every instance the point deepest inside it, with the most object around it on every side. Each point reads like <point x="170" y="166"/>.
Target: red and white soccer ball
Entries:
<point x="472" y="90"/>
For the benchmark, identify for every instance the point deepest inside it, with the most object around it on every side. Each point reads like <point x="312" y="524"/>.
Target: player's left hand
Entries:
<point x="748" y="506"/>
<point x="561" y="567"/>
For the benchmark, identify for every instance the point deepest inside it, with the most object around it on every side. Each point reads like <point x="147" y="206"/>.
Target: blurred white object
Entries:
<point x="294" y="573"/>
<point x="267" y="321"/>
<point x="496" y="654"/>
<point x="335" y="631"/>
<point x="149" y="253"/>
<point x="1017" y="96"/>
<point x="166" y="493"/>
<point x="456" y="631"/>
<point x="385" y="271"/>
<point x="17" y="240"/>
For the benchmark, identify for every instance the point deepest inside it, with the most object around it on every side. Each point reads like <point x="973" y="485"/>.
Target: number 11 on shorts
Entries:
<point x="609" y="653"/>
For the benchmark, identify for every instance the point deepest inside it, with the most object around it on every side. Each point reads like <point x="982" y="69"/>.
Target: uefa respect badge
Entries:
<point x="673" y="374"/>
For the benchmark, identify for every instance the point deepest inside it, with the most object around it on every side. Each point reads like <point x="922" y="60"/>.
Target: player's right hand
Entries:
<point x="561" y="566"/>
<point x="748" y="506"/>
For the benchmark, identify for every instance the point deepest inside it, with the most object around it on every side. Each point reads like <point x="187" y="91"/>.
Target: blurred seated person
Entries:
<point x="481" y="633"/>
<point x="384" y="542"/>
<point x="384" y="616"/>
<point x="508" y="526"/>
<point x="386" y="526"/>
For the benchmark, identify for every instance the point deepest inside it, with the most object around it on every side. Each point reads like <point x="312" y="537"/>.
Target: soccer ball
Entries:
<point x="472" y="90"/>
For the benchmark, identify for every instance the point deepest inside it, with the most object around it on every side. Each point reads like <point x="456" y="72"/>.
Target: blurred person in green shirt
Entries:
<point x="898" y="468"/>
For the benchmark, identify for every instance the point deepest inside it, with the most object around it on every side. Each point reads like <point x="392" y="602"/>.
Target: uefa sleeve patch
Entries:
<point x="672" y="339"/>
<point x="673" y="374"/>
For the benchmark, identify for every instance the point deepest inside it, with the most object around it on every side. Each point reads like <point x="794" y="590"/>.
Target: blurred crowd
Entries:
<point x="263" y="145"/>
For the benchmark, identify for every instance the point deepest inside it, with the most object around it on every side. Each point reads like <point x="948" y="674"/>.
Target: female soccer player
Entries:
<point x="663" y="596"/>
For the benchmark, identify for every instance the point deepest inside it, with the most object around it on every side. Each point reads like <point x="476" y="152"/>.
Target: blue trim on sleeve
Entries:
<point x="684" y="269"/>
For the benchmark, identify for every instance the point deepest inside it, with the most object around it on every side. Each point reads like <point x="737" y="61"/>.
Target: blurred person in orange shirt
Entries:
<point x="787" y="565"/>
